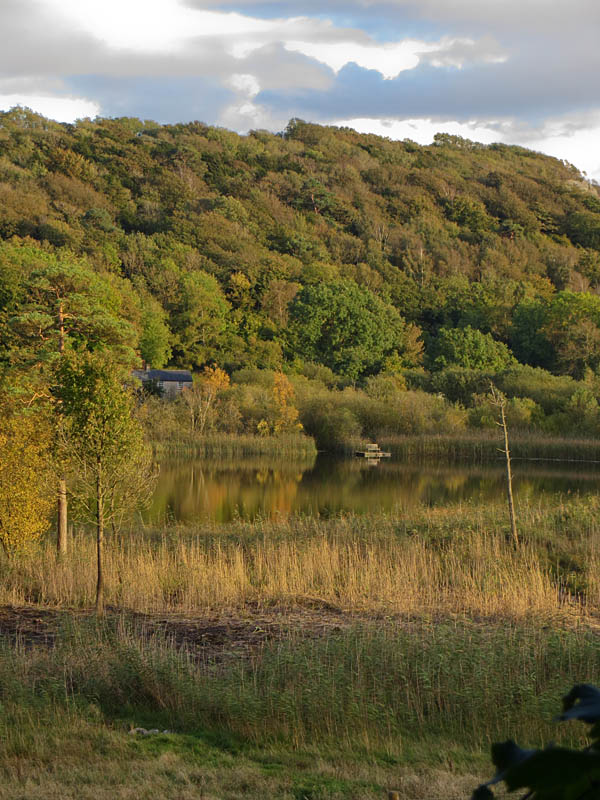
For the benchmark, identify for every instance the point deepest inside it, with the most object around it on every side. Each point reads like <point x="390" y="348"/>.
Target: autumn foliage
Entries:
<point x="25" y="499"/>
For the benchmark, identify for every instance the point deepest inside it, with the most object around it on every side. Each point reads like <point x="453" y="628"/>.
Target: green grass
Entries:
<point x="373" y="707"/>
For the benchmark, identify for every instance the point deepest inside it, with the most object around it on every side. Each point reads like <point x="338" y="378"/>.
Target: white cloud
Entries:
<point x="169" y="27"/>
<point x="458" y="52"/>
<point x="61" y="109"/>
<point x="388" y="59"/>
<point x="152" y="26"/>
<point x="421" y="131"/>
<point x="244" y="84"/>
<point x="246" y="115"/>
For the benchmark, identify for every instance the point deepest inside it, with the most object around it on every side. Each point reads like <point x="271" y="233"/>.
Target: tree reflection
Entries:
<point x="252" y="488"/>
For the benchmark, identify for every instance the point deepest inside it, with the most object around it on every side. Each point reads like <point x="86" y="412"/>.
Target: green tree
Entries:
<point x="471" y="215"/>
<point x="349" y="329"/>
<point x="155" y="336"/>
<point x="277" y="298"/>
<point x="199" y="319"/>
<point x="469" y="348"/>
<point x="527" y="338"/>
<point x="572" y="328"/>
<point x="65" y="304"/>
<point x="104" y="441"/>
<point x="583" y="228"/>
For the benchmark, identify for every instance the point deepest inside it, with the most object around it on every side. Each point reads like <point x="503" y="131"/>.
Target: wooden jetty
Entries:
<point x="372" y="451"/>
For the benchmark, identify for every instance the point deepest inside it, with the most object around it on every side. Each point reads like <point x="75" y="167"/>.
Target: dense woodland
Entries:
<point x="376" y="286"/>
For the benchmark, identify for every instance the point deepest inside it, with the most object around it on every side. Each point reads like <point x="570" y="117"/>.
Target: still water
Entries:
<point x="260" y="487"/>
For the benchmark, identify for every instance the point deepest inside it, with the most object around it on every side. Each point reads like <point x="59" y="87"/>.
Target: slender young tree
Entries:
<point x="105" y="441"/>
<point x="66" y="303"/>
<point x="201" y="398"/>
<point x="286" y="414"/>
<point x="499" y="400"/>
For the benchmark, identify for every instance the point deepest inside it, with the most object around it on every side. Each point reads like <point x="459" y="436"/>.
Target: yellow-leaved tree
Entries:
<point x="286" y="414"/>
<point x="26" y="500"/>
<point x="201" y="398"/>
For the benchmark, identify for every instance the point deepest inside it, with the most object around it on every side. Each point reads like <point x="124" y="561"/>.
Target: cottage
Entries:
<point x="170" y="382"/>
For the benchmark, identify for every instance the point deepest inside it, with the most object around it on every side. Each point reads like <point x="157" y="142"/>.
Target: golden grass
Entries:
<point x="377" y="705"/>
<point x="460" y="562"/>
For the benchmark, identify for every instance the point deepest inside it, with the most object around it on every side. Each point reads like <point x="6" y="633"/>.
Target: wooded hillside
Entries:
<point x="318" y="245"/>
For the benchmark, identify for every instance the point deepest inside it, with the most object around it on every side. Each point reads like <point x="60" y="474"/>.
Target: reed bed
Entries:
<point x="458" y="560"/>
<point x="483" y="447"/>
<point x="374" y="688"/>
<point x="458" y="640"/>
<point x="225" y="445"/>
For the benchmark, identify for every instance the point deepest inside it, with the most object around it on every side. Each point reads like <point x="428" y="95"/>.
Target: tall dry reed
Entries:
<point x="481" y="447"/>
<point x="230" y="445"/>
<point x="440" y="561"/>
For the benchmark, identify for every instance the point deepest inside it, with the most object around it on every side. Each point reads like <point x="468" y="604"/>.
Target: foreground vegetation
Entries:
<point x="403" y="647"/>
<point x="368" y="708"/>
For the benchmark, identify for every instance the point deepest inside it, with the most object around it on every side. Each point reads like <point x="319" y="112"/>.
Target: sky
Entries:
<point x="517" y="71"/>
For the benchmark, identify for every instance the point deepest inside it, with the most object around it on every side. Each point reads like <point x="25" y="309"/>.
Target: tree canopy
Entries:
<point x="348" y="329"/>
<point x="208" y="246"/>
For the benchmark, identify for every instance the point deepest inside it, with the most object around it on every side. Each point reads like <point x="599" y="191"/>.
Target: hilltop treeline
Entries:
<point x="443" y="264"/>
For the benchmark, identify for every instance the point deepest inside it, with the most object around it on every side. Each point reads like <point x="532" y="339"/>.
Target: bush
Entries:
<point x="333" y="426"/>
<point x="460" y="384"/>
<point x="551" y="392"/>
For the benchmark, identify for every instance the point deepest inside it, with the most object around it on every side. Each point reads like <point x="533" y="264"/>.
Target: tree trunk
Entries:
<point x="61" y="525"/>
<point x="99" y="543"/>
<point x="509" y="492"/>
<point x="62" y="533"/>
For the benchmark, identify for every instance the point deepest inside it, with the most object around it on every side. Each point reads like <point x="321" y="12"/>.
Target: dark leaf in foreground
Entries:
<point x="582" y="702"/>
<point x="506" y="755"/>
<point x="556" y="772"/>
<point x="482" y="792"/>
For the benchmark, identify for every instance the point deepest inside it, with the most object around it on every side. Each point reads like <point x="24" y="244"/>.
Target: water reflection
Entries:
<point x="251" y="488"/>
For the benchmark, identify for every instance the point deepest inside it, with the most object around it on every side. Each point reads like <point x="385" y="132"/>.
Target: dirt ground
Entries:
<point x="230" y="634"/>
<point x="211" y="635"/>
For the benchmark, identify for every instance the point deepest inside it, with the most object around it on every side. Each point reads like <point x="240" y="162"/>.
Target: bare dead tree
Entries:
<point x="499" y="400"/>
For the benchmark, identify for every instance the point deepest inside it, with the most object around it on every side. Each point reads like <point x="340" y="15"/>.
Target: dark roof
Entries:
<point x="178" y="375"/>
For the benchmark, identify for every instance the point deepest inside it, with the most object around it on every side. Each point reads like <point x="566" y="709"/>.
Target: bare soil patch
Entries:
<point x="211" y="635"/>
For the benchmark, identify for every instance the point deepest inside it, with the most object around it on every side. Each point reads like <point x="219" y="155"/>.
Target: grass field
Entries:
<point x="369" y="708"/>
<point x="358" y="654"/>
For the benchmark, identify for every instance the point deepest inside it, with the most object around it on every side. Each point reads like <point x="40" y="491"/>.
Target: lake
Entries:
<point x="252" y="488"/>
